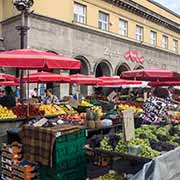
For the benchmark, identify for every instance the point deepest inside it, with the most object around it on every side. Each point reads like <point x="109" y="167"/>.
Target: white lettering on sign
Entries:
<point x="130" y="55"/>
<point x="109" y="52"/>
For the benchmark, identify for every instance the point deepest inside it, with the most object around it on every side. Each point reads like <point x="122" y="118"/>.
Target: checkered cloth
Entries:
<point x="38" y="142"/>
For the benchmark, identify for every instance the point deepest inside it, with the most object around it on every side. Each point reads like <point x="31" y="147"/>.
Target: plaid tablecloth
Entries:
<point x="38" y="142"/>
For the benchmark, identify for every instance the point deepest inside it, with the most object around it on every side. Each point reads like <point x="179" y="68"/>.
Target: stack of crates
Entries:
<point x="11" y="154"/>
<point x="69" y="158"/>
<point x="24" y="171"/>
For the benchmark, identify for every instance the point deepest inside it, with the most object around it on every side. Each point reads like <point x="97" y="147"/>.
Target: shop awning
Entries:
<point x="34" y="59"/>
<point x="84" y="79"/>
<point x="150" y="74"/>
<point x="45" y="77"/>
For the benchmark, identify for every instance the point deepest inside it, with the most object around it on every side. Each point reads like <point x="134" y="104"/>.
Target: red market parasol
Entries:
<point x="150" y="74"/>
<point x="34" y="59"/>
<point x="45" y="77"/>
<point x="7" y="77"/>
<point x="112" y="81"/>
<point x="164" y="83"/>
<point x="9" y="83"/>
<point x="84" y="79"/>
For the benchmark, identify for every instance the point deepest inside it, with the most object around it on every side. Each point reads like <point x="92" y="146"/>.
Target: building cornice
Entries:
<point x="146" y="13"/>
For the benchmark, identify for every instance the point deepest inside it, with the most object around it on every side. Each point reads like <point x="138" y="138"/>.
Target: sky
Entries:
<point x="173" y="5"/>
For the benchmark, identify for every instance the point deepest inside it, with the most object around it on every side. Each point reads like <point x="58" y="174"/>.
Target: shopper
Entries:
<point x="50" y="98"/>
<point x="34" y="94"/>
<point x="9" y="99"/>
<point x="1" y="93"/>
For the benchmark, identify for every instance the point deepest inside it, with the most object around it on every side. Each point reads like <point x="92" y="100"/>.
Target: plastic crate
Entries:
<point x="64" y="153"/>
<point x="78" y="173"/>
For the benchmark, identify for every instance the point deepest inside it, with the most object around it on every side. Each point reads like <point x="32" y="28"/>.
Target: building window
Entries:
<point x="165" y="42"/>
<point x="103" y="22"/>
<point x="139" y="33"/>
<point x="79" y="13"/>
<point x="175" y="45"/>
<point x="153" y="38"/>
<point x="123" y="26"/>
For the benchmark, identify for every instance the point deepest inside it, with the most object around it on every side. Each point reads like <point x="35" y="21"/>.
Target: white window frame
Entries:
<point x="80" y="13"/>
<point x="164" y="42"/>
<point x="123" y="27"/>
<point x="153" y="38"/>
<point x="175" y="45"/>
<point x="103" y="24"/>
<point x="139" y="34"/>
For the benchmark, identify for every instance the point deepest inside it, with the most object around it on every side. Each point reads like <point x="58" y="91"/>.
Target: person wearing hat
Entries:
<point x="9" y="99"/>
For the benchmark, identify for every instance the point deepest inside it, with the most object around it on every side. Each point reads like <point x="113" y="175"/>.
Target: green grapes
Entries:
<point x="105" y="145"/>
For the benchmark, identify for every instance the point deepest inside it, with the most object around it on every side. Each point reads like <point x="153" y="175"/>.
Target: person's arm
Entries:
<point x="55" y="100"/>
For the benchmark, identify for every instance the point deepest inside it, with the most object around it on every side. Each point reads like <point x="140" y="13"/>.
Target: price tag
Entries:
<point x="128" y="125"/>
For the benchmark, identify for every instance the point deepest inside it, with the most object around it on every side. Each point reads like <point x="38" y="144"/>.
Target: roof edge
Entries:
<point x="164" y="8"/>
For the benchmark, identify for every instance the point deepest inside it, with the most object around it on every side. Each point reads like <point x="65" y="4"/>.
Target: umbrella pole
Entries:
<point x="28" y="105"/>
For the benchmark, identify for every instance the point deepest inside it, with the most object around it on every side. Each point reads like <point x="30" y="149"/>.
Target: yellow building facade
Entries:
<point x="64" y="9"/>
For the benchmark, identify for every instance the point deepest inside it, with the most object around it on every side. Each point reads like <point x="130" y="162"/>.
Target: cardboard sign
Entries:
<point x="128" y="125"/>
<point x="111" y="96"/>
<point x="40" y="123"/>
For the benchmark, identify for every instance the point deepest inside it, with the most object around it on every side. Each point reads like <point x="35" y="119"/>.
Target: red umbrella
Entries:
<point x="112" y="81"/>
<point x="9" y="83"/>
<point x="34" y="59"/>
<point x="151" y="74"/>
<point x="7" y="77"/>
<point x="164" y="83"/>
<point x="45" y="77"/>
<point x="84" y="79"/>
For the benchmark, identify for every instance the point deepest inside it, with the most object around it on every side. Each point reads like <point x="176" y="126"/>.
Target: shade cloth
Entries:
<point x="45" y="77"/>
<point x="34" y="59"/>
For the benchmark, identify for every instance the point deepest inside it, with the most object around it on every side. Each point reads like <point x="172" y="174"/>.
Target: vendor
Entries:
<point x="9" y="99"/>
<point x="50" y="98"/>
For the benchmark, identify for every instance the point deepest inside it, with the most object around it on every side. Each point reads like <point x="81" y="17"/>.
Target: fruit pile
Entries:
<point x="85" y="104"/>
<point x="78" y="119"/>
<point x="174" y="116"/>
<point x="111" y="176"/>
<point x="21" y="111"/>
<point x="50" y="109"/>
<point x="6" y="113"/>
<point x="136" y="110"/>
<point x="151" y="139"/>
<point x="67" y="110"/>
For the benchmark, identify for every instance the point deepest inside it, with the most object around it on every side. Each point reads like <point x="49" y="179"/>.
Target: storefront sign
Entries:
<point x="133" y="56"/>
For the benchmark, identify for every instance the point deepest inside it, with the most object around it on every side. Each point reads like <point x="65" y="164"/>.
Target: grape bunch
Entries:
<point x="105" y="144"/>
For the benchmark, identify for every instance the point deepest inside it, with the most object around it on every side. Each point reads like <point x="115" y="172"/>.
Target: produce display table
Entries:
<point x="122" y="163"/>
